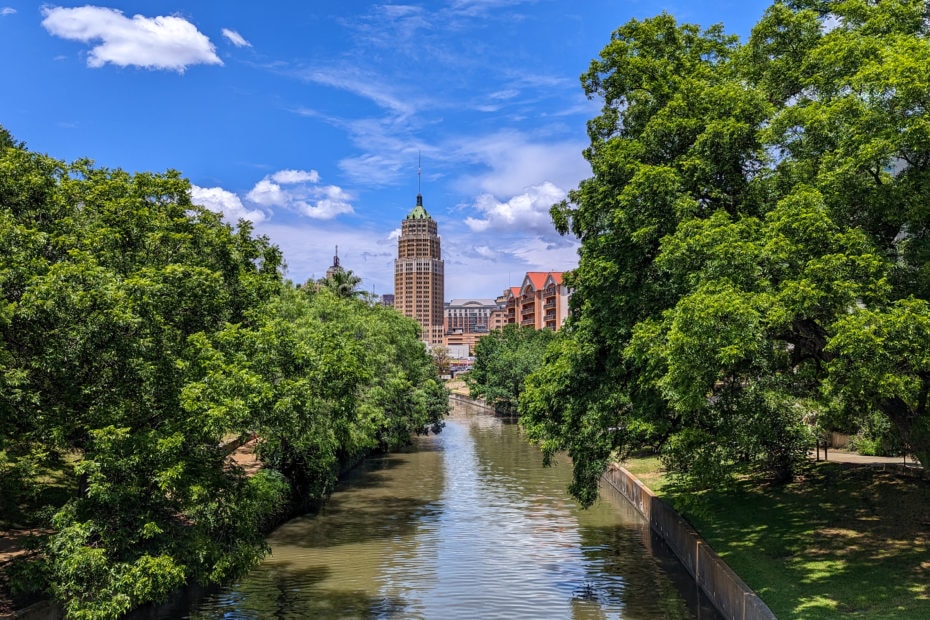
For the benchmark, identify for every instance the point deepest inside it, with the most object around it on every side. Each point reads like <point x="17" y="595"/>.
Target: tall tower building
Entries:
<point x="419" y="281"/>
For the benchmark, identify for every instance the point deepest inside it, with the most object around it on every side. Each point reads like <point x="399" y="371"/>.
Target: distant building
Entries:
<point x="387" y="299"/>
<point x="498" y="317"/>
<point x="419" y="279"/>
<point x="467" y="320"/>
<point x="555" y="301"/>
<point x="541" y="302"/>
<point x="459" y="352"/>
<point x="511" y="300"/>
<point x="335" y="266"/>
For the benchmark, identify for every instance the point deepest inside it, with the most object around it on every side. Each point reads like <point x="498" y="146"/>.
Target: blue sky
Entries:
<point x="308" y="118"/>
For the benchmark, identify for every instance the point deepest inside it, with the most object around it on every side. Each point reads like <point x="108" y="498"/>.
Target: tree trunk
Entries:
<point x="914" y="428"/>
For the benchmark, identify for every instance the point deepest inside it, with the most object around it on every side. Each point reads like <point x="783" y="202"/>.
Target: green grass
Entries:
<point x="649" y="470"/>
<point x="842" y="541"/>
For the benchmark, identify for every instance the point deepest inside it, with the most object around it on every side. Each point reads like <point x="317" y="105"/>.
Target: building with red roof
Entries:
<point x="540" y="302"/>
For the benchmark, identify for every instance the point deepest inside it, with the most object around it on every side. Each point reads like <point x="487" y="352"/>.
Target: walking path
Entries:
<point x="844" y="456"/>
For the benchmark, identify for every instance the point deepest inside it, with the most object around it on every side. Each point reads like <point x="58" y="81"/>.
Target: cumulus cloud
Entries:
<point x="515" y="161"/>
<point x="299" y="190"/>
<point x="163" y="42"/>
<point x="225" y="202"/>
<point x="296" y="176"/>
<point x="525" y="212"/>
<point x="7" y="10"/>
<point x="235" y="38"/>
<point x="268" y="194"/>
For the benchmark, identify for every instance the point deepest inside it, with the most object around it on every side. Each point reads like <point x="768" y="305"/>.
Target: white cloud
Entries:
<point x="332" y="201"/>
<point x="235" y="38"/>
<point x="525" y="212"/>
<point x="298" y="190"/>
<point x="373" y="170"/>
<point x="543" y="255"/>
<point x="7" y="10"/>
<point x="474" y="8"/>
<point x="369" y="87"/>
<point x="515" y="161"/>
<point x="508" y="93"/>
<point x="485" y="252"/>
<point x="268" y="193"/>
<point x="476" y="267"/>
<point x="296" y="176"/>
<point x="225" y="202"/>
<point x="830" y="23"/>
<point x="163" y="42"/>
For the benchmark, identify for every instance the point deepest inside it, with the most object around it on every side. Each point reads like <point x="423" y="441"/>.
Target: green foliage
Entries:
<point x="503" y="360"/>
<point x="754" y="243"/>
<point x="343" y="283"/>
<point x="137" y="330"/>
<point x="322" y="379"/>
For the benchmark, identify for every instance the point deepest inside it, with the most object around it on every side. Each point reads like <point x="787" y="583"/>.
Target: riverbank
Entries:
<point x="843" y="539"/>
<point x="849" y="537"/>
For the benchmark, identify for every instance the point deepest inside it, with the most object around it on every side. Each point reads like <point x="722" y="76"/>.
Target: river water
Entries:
<point x="467" y="524"/>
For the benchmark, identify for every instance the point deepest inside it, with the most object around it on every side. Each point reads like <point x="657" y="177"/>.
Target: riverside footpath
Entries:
<point x="845" y="456"/>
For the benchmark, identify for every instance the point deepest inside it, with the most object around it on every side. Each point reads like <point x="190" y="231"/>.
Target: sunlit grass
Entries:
<point x="648" y="469"/>
<point x="841" y="541"/>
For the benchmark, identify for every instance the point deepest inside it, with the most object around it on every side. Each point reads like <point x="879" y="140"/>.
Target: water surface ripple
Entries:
<point x="467" y="524"/>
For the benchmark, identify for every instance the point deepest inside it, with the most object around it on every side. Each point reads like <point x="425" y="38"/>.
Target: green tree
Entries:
<point x="137" y="331"/>
<point x="109" y="282"/>
<point x="755" y="211"/>
<point x="503" y="360"/>
<point x="323" y="380"/>
<point x="343" y="283"/>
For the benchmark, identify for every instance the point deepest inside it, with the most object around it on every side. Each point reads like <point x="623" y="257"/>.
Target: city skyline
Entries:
<point x="310" y="120"/>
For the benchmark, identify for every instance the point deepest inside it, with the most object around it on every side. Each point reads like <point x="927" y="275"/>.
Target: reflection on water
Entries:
<point x="467" y="524"/>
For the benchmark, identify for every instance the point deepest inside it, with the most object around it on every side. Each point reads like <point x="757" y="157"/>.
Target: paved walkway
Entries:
<point x="844" y="456"/>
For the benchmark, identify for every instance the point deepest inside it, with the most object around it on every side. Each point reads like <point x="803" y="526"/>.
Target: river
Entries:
<point x="466" y="524"/>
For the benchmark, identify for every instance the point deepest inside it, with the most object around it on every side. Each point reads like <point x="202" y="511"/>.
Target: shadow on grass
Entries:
<point x="844" y="539"/>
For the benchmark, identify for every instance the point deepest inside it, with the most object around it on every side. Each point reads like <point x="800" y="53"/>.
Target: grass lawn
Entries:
<point x="843" y="540"/>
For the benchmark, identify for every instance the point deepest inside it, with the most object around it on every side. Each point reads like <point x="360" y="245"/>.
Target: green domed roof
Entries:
<point x="418" y="213"/>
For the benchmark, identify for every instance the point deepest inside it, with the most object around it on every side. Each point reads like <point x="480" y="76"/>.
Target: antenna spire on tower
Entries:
<point x="419" y="176"/>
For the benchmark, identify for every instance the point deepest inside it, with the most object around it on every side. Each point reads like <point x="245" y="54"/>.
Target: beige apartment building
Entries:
<point x="419" y="280"/>
<point x="540" y="302"/>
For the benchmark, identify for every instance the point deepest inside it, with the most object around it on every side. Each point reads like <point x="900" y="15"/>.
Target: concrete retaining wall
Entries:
<point x="728" y="593"/>
<point x="463" y="404"/>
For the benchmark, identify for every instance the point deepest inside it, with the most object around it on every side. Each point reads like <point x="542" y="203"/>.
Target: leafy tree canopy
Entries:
<point x="755" y="242"/>
<point x="139" y="332"/>
<point x="503" y="360"/>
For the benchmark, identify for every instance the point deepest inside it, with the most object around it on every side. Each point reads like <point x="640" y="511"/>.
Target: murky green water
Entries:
<point x="466" y="525"/>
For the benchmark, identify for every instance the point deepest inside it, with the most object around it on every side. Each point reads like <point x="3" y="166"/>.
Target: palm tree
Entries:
<point x="343" y="283"/>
